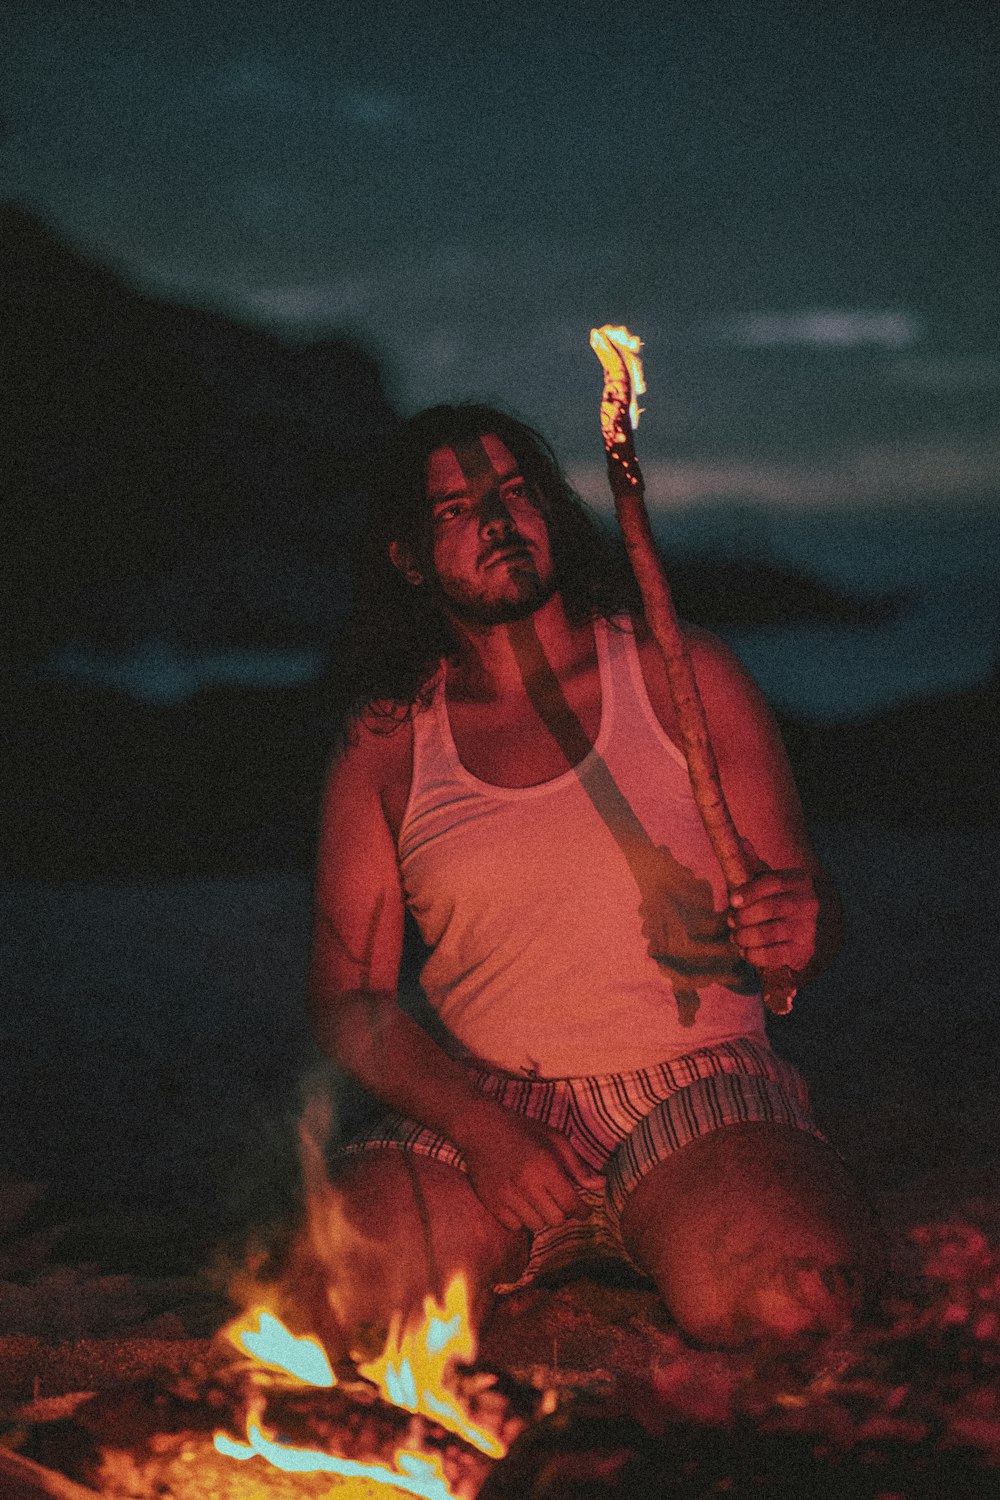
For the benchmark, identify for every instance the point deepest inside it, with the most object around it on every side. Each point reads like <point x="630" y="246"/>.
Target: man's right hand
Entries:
<point x="527" y="1174"/>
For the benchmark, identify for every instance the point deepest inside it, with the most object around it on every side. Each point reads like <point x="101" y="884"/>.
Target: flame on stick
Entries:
<point x="618" y="351"/>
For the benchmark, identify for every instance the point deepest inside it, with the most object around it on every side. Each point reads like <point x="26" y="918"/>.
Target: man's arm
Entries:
<point x="525" y="1174"/>
<point x="790" y="912"/>
<point x="357" y="947"/>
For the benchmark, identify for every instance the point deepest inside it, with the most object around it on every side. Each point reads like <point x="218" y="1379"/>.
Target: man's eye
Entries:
<point x="448" y="512"/>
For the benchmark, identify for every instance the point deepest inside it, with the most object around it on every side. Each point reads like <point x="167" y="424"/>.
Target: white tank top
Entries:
<point x="577" y="926"/>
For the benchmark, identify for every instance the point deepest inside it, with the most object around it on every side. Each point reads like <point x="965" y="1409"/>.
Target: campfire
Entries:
<point x="426" y="1370"/>
<point x="269" y="1410"/>
<point x="264" y="1415"/>
<point x="417" y="1418"/>
<point x="908" y="1407"/>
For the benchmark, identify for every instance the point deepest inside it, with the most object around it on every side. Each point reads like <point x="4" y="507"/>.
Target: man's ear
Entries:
<point x="402" y="558"/>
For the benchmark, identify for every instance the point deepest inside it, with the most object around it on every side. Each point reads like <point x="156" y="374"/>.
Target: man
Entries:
<point x="600" y="1079"/>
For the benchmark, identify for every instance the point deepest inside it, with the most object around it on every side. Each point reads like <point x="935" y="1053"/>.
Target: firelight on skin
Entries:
<point x="491" y="554"/>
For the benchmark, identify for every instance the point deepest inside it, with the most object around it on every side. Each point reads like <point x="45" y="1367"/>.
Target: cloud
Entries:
<point x="871" y="475"/>
<point x="441" y="353"/>
<point x="308" y="303"/>
<point x="826" y="328"/>
<point x="279" y="88"/>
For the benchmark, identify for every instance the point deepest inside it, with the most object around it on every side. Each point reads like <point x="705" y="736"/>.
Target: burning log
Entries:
<point x="155" y="1436"/>
<point x="618" y="351"/>
<point x="438" y="1415"/>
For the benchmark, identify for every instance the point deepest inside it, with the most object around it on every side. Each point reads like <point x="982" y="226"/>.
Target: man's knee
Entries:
<point x="753" y="1234"/>
<point x="353" y="1261"/>
<point x="765" y="1296"/>
<point x="773" y="1299"/>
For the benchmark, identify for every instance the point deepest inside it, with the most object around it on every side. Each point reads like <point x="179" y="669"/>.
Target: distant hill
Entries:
<point x="162" y="464"/>
<point x="718" y="591"/>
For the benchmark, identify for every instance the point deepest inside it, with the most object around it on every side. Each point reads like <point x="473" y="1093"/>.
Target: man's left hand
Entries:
<point x="773" y="919"/>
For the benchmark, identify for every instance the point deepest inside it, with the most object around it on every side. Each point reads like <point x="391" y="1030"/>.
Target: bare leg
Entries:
<point x="396" y="1226"/>
<point x="754" y="1233"/>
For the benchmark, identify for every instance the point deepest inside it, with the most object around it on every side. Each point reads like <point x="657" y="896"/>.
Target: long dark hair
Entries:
<point x="397" y="635"/>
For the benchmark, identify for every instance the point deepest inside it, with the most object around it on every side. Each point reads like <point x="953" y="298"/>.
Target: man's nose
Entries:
<point x="494" y="517"/>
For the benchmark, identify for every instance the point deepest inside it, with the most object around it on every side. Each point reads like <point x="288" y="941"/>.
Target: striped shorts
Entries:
<point x="622" y="1124"/>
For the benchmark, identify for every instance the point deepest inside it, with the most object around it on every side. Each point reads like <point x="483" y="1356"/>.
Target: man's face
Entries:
<point x="492" y="558"/>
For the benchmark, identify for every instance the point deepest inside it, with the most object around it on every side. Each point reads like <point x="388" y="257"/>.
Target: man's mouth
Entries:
<point x="508" y="554"/>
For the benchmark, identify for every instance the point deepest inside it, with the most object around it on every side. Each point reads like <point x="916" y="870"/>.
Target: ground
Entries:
<point x="163" y="1160"/>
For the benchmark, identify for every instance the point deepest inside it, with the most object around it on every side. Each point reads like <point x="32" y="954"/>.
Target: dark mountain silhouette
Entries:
<point x="166" y="470"/>
<point x="163" y="466"/>
<point x="720" y="591"/>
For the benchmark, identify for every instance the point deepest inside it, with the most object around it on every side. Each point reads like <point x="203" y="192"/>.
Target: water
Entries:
<point x="946" y="559"/>
<point x="157" y="670"/>
<point x="946" y="642"/>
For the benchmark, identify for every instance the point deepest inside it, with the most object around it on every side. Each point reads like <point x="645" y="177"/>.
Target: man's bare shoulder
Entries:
<point x="744" y="730"/>
<point x="696" y="638"/>
<point x="731" y="697"/>
<point x="375" y="765"/>
<point x="721" y="674"/>
<point x="717" y="668"/>
<point x="712" y="657"/>
<point x="377" y="747"/>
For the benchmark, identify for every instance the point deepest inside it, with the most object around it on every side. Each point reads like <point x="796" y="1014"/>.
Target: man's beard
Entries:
<point x="472" y="609"/>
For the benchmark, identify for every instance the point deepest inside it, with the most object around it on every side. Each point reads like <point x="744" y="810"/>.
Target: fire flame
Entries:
<point x="411" y="1370"/>
<point x="272" y="1345"/>
<point x="624" y="382"/>
<point x="416" y="1473"/>
<point x="412" y="1373"/>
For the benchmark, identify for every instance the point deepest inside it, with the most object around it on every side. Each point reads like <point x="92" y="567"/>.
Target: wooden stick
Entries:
<point x="22" y="1479"/>
<point x="627" y="487"/>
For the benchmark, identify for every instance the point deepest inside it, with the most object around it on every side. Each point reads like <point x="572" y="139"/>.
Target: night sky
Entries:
<point x="794" y="204"/>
